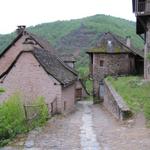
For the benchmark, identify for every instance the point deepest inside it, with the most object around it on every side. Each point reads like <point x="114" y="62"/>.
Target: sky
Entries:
<point x="33" y="12"/>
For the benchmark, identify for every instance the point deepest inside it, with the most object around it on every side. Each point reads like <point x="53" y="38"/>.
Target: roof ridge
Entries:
<point x="129" y="48"/>
<point x="66" y="66"/>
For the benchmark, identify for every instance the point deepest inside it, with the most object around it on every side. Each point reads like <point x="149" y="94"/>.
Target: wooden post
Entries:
<point x="25" y="112"/>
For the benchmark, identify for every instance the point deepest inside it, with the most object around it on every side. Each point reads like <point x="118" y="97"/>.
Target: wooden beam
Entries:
<point x="142" y="23"/>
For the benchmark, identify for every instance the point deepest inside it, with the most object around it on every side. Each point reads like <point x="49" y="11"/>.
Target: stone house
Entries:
<point x="141" y="8"/>
<point x="30" y="66"/>
<point x="80" y="91"/>
<point x="112" y="55"/>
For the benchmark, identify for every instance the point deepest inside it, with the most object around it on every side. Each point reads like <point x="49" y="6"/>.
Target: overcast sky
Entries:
<point x="33" y="12"/>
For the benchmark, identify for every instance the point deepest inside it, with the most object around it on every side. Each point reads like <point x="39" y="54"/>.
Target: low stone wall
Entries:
<point x="115" y="103"/>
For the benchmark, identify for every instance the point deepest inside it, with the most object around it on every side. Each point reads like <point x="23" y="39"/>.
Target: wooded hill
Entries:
<point x="77" y="36"/>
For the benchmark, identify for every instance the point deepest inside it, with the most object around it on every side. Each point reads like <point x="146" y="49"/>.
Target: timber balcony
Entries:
<point x="142" y="8"/>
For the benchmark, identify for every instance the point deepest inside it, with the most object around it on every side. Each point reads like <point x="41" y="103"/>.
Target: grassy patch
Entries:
<point x="134" y="91"/>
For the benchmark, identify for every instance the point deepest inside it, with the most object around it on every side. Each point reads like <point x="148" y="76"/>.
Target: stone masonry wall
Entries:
<point x="114" y="103"/>
<point x="30" y="79"/>
<point x="114" y="64"/>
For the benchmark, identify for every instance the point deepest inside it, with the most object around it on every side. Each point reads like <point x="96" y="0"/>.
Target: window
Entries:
<point x="101" y="63"/>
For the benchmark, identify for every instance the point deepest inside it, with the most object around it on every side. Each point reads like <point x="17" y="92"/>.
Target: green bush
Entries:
<point x="11" y="118"/>
<point x="2" y="90"/>
<point x="42" y="112"/>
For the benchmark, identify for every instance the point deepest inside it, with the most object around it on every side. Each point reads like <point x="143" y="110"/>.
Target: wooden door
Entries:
<point x="79" y="94"/>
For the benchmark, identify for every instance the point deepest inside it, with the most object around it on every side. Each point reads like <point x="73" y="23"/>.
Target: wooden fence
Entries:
<point x="32" y="112"/>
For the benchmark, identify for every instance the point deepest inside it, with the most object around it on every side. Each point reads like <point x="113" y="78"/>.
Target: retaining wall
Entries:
<point x="115" y="103"/>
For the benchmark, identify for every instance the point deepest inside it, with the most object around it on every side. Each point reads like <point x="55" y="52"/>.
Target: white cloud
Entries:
<point x="32" y="12"/>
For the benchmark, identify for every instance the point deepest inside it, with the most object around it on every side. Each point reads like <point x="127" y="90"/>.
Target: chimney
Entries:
<point x="128" y="41"/>
<point x="20" y="29"/>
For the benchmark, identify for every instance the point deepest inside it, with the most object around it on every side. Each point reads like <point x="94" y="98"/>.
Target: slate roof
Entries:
<point x="42" y="42"/>
<point x="68" y="58"/>
<point x="116" y="45"/>
<point x="53" y="66"/>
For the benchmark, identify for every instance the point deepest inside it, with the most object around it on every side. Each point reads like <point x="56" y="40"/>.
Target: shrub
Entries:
<point x="11" y="118"/>
<point x="42" y="112"/>
<point x="2" y="90"/>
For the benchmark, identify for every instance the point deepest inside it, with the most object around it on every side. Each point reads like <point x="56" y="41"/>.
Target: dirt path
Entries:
<point x="91" y="127"/>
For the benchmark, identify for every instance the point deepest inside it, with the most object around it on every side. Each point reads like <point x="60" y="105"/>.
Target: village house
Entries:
<point x="112" y="55"/>
<point x="81" y="92"/>
<point x="141" y="8"/>
<point x="30" y="66"/>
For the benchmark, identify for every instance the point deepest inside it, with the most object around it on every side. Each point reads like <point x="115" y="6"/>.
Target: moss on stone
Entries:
<point x="99" y="49"/>
<point x="117" y="49"/>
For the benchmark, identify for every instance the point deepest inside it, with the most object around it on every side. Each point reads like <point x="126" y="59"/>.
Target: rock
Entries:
<point x="29" y="144"/>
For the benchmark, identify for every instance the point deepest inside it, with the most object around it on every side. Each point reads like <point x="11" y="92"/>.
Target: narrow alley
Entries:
<point x="90" y="127"/>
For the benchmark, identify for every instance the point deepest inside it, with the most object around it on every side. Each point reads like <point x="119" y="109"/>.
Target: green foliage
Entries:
<point x="11" y="119"/>
<point x="2" y="90"/>
<point x="134" y="91"/>
<point x="42" y="112"/>
<point x="89" y="86"/>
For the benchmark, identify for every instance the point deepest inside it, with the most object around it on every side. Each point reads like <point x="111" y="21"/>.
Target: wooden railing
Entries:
<point x="32" y="112"/>
<point x="53" y="107"/>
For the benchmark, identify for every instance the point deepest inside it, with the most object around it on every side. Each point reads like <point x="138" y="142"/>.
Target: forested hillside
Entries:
<point x="77" y="36"/>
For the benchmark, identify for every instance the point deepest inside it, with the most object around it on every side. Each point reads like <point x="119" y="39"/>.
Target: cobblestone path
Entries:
<point x="91" y="127"/>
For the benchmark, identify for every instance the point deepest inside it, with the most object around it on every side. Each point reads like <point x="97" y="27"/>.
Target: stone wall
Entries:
<point x="113" y="64"/>
<point x="114" y="103"/>
<point x="68" y="98"/>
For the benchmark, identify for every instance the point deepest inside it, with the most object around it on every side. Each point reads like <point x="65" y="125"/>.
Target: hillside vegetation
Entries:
<point x="77" y="36"/>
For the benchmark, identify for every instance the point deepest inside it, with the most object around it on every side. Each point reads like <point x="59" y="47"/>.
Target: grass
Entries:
<point x="135" y="91"/>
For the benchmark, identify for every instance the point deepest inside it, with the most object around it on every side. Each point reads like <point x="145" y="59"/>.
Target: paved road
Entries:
<point x="91" y="127"/>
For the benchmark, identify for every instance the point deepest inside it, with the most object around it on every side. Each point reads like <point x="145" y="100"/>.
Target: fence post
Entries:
<point x="25" y="111"/>
<point x="52" y="108"/>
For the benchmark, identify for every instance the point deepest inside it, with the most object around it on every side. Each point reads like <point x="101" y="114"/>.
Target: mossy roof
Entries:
<point x="118" y="45"/>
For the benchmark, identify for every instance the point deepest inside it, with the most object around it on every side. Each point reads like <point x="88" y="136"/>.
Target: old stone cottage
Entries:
<point x="112" y="55"/>
<point x="30" y="66"/>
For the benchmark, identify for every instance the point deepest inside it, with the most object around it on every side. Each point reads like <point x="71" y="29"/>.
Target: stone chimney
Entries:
<point x="128" y="41"/>
<point x="20" y="29"/>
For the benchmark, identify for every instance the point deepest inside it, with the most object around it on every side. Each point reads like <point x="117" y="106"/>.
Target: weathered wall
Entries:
<point x="114" y="64"/>
<point x="31" y="80"/>
<point x="114" y="103"/>
<point x="68" y="98"/>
